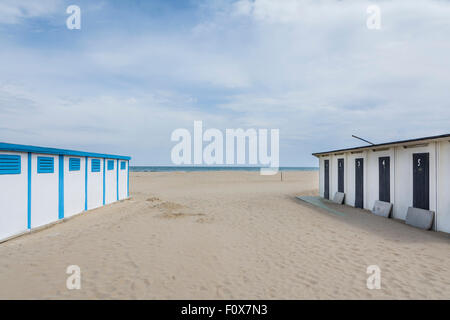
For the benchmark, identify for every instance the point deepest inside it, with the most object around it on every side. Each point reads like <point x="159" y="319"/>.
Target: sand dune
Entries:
<point x="225" y="235"/>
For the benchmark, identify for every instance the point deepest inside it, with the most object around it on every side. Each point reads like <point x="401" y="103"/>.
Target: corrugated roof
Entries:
<point x="25" y="148"/>
<point x="387" y="144"/>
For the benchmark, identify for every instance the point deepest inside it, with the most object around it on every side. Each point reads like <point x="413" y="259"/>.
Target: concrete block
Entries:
<point x="339" y="197"/>
<point x="382" y="208"/>
<point x="420" y="218"/>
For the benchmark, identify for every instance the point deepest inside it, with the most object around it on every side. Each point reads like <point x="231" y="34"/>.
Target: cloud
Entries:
<point x="309" y="68"/>
<point x="15" y="11"/>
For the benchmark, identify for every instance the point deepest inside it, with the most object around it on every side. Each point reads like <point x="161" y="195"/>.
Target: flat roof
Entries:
<point x="25" y="148"/>
<point x="386" y="144"/>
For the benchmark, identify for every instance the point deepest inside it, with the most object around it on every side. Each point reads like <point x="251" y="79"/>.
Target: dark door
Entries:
<point x="421" y="183"/>
<point x="384" y="171"/>
<point x="340" y="175"/>
<point x="359" y="183"/>
<point x="326" y="194"/>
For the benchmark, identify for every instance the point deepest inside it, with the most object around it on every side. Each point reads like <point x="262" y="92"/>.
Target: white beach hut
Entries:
<point x="411" y="173"/>
<point x="40" y="185"/>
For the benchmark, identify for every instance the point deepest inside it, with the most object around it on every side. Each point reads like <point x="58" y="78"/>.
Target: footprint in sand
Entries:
<point x="172" y="210"/>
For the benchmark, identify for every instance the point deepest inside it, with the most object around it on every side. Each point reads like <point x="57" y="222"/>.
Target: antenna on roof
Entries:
<point x="363" y="139"/>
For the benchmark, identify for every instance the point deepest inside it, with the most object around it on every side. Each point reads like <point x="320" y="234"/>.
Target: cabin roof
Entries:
<point x="386" y="144"/>
<point x="44" y="150"/>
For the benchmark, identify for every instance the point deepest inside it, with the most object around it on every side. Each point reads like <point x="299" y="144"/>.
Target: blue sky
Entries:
<point x="137" y="70"/>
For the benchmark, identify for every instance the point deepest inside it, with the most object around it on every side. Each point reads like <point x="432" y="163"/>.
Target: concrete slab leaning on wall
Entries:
<point x="381" y="208"/>
<point x="339" y="197"/>
<point x="420" y="218"/>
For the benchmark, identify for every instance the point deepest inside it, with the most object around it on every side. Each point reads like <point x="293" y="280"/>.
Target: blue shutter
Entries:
<point x="95" y="165"/>
<point x="123" y="165"/>
<point x="45" y="165"/>
<point x="10" y="164"/>
<point x="74" y="164"/>
<point x="110" y="164"/>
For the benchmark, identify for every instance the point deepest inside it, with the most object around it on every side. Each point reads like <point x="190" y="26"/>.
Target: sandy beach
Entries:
<point x="225" y="235"/>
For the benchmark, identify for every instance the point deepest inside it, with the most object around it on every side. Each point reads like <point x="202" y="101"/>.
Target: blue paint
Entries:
<point x="104" y="191"/>
<point x="42" y="150"/>
<point x="117" y="183"/>
<point x="128" y="179"/>
<point x="74" y="164"/>
<point x="29" y="191"/>
<point x="110" y="164"/>
<point x="95" y="165"/>
<point x="86" y="163"/>
<point x="45" y="165"/>
<point x="123" y="165"/>
<point x="10" y="164"/>
<point x="61" y="188"/>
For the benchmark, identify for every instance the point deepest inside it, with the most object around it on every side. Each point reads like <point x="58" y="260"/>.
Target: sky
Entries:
<point x="138" y="70"/>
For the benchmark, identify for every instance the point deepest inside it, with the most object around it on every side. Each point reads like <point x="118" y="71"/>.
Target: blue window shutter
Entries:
<point x="61" y="188"/>
<point x="110" y="164"/>
<point x="86" y="164"/>
<point x="29" y="191"/>
<point x="10" y="164"/>
<point x="95" y="165"/>
<point x="74" y="164"/>
<point x="45" y="165"/>
<point x="123" y="165"/>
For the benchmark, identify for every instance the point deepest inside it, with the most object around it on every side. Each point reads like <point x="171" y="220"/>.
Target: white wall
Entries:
<point x="322" y="176"/>
<point x="14" y="199"/>
<point x="350" y="178"/>
<point x="333" y="176"/>
<point x="111" y="183"/>
<point x="44" y="193"/>
<point x="334" y="170"/>
<point x="373" y="177"/>
<point x="123" y="181"/>
<point x="74" y="187"/>
<point x="404" y="179"/>
<point x="95" y="185"/>
<point x="443" y="212"/>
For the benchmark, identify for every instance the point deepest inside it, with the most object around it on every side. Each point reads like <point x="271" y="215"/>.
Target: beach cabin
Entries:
<point x="39" y="186"/>
<point x="409" y="174"/>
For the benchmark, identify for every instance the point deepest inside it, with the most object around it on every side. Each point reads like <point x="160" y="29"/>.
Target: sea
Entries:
<point x="210" y="168"/>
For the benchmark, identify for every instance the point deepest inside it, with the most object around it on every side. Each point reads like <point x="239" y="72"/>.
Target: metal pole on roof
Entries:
<point x="362" y="139"/>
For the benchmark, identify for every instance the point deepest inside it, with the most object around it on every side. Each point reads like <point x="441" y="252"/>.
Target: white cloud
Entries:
<point x="310" y="68"/>
<point x="14" y="11"/>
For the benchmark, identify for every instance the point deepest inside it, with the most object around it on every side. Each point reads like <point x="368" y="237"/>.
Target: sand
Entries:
<point x="225" y="235"/>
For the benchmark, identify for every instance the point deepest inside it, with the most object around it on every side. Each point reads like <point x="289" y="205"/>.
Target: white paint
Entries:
<point x="14" y="199"/>
<point x="95" y="185"/>
<point x="350" y="177"/>
<point x="74" y="187"/>
<point x="404" y="177"/>
<point x="111" y="182"/>
<point x="443" y="219"/>
<point x="123" y="181"/>
<point x="322" y="176"/>
<point x="44" y="193"/>
<point x="373" y="177"/>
